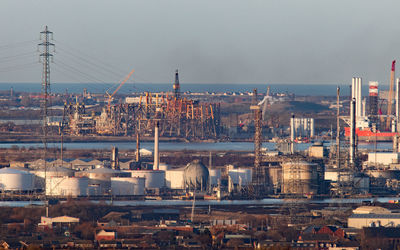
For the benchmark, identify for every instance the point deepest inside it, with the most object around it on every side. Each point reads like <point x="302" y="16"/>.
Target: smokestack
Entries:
<point x="114" y="157"/>
<point x="397" y="103"/>
<point x="176" y="86"/>
<point x="292" y="134"/>
<point x="352" y="131"/>
<point x="156" y="153"/>
<point x="137" y="147"/>
<point x="373" y="101"/>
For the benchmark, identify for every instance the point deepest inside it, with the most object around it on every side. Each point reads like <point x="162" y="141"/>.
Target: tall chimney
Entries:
<point x="292" y="134"/>
<point x="137" y="147"/>
<point x="397" y="104"/>
<point x="352" y="131"/>
<point x="156" y="153"/>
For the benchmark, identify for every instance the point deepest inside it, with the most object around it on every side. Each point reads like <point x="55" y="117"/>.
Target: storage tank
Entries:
<point x="154" y="178"/>
<point x="215" y="176"/>
<point x="196" y="175"/>
<point x="101" y="177"/>
<point x="174" y="178"/>
<point x="163" y="166"/>
<point x="15" y="180"/>
<point x="67" y="186"/>
<point x="127" y="185"/>
<point x="41" y="174"/>
<point x="300" y="178"/>
<point x="240" y="176"/>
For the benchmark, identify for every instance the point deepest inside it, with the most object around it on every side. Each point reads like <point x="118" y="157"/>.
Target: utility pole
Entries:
<point x="45" y="56"/>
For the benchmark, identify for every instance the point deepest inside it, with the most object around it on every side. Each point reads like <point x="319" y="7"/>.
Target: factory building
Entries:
<point x="373" y="217"/>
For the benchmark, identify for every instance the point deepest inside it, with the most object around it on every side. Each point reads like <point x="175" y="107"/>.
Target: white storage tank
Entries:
<point x="101" y="177"/>
<point x="163" y="166"/>
<point x="41" y="174"/>
<point x="127" y="185"/>
<point x="154" y="178"/>
<point x="240" y="176"/>
<point x="174" y="178"/>
<point x="215" y="176"/>
<point x="67" y="186"/>
<point x="15" y="180"/>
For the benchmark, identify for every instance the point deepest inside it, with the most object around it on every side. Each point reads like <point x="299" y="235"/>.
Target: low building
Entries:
<point x="61" y="220"/>
<point x="104" y="235"/>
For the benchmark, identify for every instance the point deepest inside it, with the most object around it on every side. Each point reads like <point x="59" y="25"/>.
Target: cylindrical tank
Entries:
<point x="41" y="174"/>
<point x="174" y="178"/>
<point x="275" y="177"/>
<point x="163" y="166"/>
<point x="15" y="180"/>
<point x="127" y="185"/>
<point x="154" y="178"/>
<point x="300" y="178"/>
<point x="101" y="177"/>
<point x="215" y="176"/>
<point x="67" y="186"/>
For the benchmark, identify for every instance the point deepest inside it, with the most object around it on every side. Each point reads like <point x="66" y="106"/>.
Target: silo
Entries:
<point x="154" y="178"/>
<point x="101" y="178"/>
<point x="300" y="177"/>
<point x="67" y="186"/>
<point x="215" y="176"/>
<point x="127" y="185"/>
<point x="15" y="180"/>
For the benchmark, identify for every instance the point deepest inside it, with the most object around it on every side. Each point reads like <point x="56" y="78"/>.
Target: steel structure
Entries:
<point x="45" y="56"/>
<point x="177" y="118"/>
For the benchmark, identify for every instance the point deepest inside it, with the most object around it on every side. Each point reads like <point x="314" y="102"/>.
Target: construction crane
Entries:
<point x="390" y="97"/>
<point x="116" y="90"/>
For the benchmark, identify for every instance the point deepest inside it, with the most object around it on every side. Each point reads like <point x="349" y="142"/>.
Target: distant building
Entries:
<point x="373" y="217"/>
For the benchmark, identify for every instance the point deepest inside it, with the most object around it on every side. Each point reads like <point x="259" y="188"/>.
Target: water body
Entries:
<point x="298" y="89"/>
<point x="163" y="203"/>
<point x="164" y="146"/>
<point x="179" y="146"/>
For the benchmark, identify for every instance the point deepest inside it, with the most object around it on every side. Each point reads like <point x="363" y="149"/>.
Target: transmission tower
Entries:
<point x="45" y="56"/>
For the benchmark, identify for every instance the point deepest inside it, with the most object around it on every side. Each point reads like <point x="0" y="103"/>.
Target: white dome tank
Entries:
<point x="67" y="186"/>
<point x="154" y="178"/>
<point x="215" y="175"/>
<point x="15" y="180"/>
<point x="127" y="185"/>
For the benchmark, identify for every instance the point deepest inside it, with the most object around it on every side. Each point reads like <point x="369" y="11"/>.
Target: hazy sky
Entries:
<point x="210" y="41"/>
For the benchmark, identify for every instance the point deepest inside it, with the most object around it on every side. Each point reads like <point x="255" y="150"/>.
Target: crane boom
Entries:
<point x="120" y="85"/>
<point x="390" y="97"/>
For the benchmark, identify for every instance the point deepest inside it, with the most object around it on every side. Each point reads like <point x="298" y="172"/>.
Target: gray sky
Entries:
<point x="210" y="41"/>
